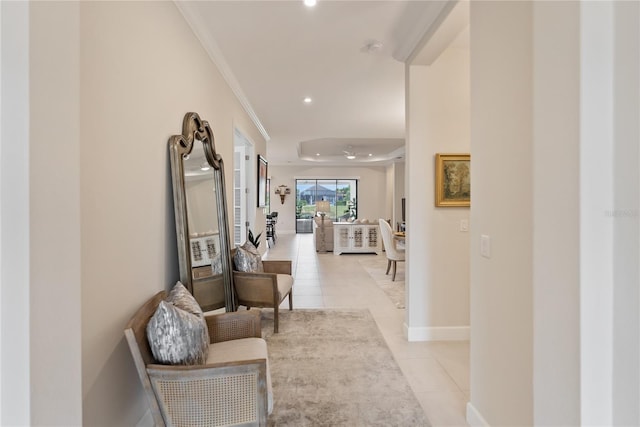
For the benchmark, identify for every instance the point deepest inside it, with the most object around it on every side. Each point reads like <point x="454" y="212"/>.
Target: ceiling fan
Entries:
<point x="349" y="153"/>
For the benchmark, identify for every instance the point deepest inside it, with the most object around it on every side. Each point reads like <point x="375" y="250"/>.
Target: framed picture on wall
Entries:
<point x="262" y="181"/>
<point x="453" y="180"/>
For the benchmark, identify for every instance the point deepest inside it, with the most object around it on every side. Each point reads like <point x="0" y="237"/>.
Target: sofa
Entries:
<point x="328" y="233"/>
<point x="232" y="386"/>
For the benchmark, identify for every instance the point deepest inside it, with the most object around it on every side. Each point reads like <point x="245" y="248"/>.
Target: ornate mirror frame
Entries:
<point x="211" y="290"/>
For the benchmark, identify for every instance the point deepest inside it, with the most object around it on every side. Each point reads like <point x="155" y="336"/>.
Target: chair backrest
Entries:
<point x="389" y="242"/>
<point x="136" y="334"/>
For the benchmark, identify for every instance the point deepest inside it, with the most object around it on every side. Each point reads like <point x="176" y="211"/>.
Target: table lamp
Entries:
<point x="322" y="207"/>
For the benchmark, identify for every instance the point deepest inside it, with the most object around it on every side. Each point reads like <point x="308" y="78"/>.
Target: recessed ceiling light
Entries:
<point x="317" y="154"/>
<point x="370" y="154"/>
<point x="350" y="156"/>
<point x="309" y="3"/>
<point x="307" y="100"/>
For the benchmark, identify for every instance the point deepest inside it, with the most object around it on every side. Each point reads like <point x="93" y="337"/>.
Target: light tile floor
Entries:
<point x="438" y="372"/>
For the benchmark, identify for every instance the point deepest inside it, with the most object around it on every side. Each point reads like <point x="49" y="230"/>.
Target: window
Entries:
<point x="342" y="195"/>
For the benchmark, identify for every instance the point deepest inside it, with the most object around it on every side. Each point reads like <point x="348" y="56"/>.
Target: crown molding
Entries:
<point x="214" y="52"/>
<point x="425" y="26"/>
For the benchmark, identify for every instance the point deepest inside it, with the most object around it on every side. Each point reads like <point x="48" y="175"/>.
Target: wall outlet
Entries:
<point x="464" y="225"/>
<point x="485" y="246"/>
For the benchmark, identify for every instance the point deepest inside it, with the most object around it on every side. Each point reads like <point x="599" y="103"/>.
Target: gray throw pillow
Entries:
<point x="177" y="337"/>
<point x="182" y="298"/>
<point x="216" y="264"/>
<point x="248" y="259"/>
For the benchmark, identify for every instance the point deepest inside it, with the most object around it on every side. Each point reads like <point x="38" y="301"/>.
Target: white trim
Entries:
<point x="437" y="333"/>
<point x="194" y="22"/>
<point x="420" y="33"/>
<point x="474" y="417"/>
<point x="15" y="262"/>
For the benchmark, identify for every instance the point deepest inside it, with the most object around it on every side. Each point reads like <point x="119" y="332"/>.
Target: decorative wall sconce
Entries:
<point x="282" y="191"/>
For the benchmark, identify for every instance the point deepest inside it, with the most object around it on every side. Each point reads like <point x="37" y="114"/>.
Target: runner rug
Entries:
<point x="394" y="289"/>
<point x="333" y="368"/>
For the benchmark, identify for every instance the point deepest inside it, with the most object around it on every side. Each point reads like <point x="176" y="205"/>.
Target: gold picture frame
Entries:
<point x="453" y="180"/>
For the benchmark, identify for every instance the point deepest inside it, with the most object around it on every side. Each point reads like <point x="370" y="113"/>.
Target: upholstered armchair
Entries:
<point x="265" y="289"/>
<point x="232" y="388"/>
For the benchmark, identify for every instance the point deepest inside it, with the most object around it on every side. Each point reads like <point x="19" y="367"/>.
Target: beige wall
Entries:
<point x="437" y="251"/>
<point x="371" y="190"/>
<point x="626" y="227"/>
<point x="501" y="286"/>
<point x="556" y="205"/>
<point x="55" y="278"/>
<point x="398" y="191"/>
<point x="40" y="246"/>
<point x="141" y="70"/>
<point x="554" y="313"/>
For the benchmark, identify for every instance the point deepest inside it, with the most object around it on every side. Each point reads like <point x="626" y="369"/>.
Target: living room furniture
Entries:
<point x="232" y="388"/>
<point x="272" y="220"/>
<point x="322" y="207"/>
<point x="323" y="234"/>
<point x="355" y="237"/>
<point x="265" y="289"/>
<point x="198" y="210"/>
<point x="392" y="250"/>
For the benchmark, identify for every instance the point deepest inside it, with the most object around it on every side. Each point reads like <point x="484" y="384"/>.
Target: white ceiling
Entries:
<point x="342" y="54"/>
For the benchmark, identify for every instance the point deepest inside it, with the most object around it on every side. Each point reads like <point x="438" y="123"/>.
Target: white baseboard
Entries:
<point x="474" y="418"/>
<point x="437" y="333"/>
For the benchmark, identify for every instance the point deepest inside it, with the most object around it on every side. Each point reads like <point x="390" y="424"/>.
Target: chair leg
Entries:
<point x="388" y="266"/>
<point x="291" y="300"/>
<point x="275" y="319"/>
<point x="395" y="263"/>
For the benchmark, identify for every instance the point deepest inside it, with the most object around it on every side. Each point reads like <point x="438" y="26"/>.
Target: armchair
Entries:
<point x="265" y="289"/>
<point x="233" y="387"/>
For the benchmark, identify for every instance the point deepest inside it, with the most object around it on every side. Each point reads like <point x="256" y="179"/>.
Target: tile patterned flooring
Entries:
<point x="438" y="372"/>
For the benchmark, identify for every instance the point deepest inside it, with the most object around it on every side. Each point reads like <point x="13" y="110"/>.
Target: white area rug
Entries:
<point x="333" y="368"/>
<point x="376" y="268"/>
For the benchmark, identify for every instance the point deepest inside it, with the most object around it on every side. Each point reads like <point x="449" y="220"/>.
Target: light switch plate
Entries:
<point x="464" y="225"/>
<point x="485" y="246"/>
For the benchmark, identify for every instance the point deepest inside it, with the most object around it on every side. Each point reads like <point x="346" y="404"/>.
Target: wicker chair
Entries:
<point x="227" y="392"/>
<point x="265" y="290"/>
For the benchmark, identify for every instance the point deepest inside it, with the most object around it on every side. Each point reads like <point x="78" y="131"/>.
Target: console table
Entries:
<point x="355" y="238"/>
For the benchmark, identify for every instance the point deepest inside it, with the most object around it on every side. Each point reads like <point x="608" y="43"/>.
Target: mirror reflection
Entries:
<point x="204" y="257"/>
<point x="202" y="215"/>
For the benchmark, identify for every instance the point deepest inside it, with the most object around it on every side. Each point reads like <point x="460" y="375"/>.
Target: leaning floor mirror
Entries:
<point x="197" y="173"/>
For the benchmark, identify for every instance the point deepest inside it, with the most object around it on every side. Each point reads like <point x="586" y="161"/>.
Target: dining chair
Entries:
<point x="392" y="250"/>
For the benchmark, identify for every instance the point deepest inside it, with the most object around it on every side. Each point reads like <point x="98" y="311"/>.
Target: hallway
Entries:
<point x="438" y="372"/>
